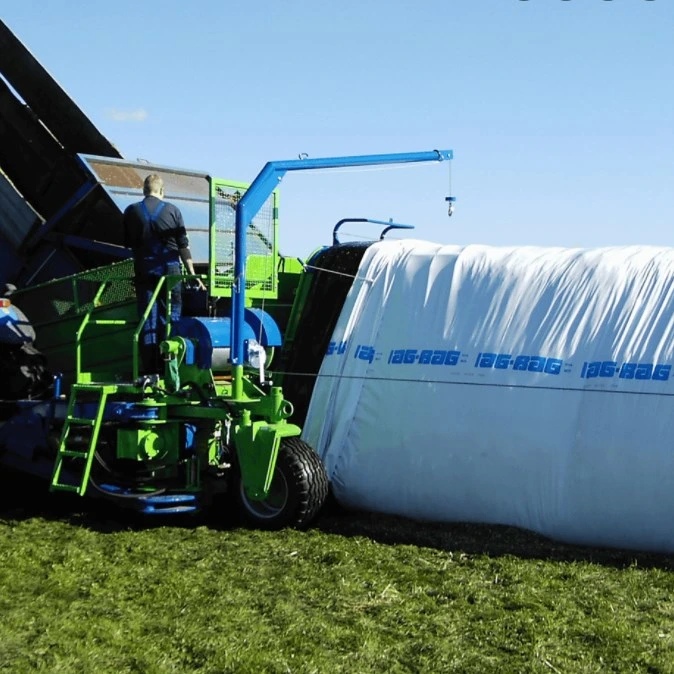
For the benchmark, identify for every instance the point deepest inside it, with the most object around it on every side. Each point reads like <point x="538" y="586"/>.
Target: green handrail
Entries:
<point x="170" y="281"/>
<point x="143" y="320"/>
<point x="83" y="325"/>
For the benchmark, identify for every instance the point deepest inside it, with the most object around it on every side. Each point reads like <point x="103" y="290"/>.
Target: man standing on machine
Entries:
<point x="155" y="231"/>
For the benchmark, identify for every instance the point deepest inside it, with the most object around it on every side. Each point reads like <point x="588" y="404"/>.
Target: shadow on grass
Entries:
<point x="23" y="497"/>
<point x="480" y="539"/>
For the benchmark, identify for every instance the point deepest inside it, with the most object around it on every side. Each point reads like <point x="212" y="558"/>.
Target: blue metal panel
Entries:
<point x="74" y="200"/>
<point x="215" y="333"/>
<point x="95" y="246"/>
<point x="190" y="355"/>
<point x="16" y="216"/>
<point x="47" y="263"/>
<point x="194" y="329"/>
<point x="117" y="411"/>
<point x="264" y="327"/>
<point x="10" y="263"/>
<point x="208" y="333"/>
<point x="24" y="433"/>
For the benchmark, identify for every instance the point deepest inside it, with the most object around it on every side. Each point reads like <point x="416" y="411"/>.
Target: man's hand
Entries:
<point x="186" y="258"/>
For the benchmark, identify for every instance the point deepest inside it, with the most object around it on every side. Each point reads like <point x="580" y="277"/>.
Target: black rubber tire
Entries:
<point x="298" y="491"/>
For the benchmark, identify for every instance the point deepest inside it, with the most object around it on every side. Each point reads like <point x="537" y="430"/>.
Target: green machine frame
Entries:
<point x="228" y="403"/>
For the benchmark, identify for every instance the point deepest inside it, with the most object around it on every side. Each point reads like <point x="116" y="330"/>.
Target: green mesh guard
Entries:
<point x="261" y="244"/>
<point x="73" y="295"/>
<point x="56" y="310"/>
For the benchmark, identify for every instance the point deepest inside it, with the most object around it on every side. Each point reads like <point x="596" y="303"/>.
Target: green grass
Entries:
<point x="84" y="591"/>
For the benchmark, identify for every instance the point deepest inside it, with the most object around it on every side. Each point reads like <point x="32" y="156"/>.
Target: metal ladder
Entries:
<point x="85" y="457"/>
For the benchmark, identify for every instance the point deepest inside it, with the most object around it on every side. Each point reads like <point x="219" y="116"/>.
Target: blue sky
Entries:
<point x="560" y="112"/>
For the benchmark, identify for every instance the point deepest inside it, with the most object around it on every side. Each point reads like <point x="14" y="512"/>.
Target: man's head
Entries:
<point x="153" y="186"/>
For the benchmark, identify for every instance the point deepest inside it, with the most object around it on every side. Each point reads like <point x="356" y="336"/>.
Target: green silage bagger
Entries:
<point x="211" y="422"/>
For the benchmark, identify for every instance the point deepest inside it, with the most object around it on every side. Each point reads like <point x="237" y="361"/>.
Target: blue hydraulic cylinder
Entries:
<point x="259" y="191"/>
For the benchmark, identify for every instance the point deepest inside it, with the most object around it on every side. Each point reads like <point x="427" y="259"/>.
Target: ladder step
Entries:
<point x="109" y="321"/>
<point x="86" y="457"/>
<point x="153" y="510"/>
<point x="79" y="421"/>
<point x="164" y="499"/>
<point x="65" y="487"/>
<point x="95" y="388"/>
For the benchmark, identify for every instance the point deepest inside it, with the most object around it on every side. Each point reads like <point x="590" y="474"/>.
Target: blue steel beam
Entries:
<point x="256" y="195"/>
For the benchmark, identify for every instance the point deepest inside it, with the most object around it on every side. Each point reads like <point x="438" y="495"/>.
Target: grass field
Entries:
<point x="84" y="591"/>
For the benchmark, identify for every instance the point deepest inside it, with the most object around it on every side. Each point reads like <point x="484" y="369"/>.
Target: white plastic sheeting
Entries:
<point x="523" y="386"/>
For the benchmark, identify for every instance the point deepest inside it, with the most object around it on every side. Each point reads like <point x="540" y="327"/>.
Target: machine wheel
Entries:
<point x="298" y="490"/>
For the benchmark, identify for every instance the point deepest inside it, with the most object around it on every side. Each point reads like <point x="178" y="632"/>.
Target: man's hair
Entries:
<point x="153" y="184"/>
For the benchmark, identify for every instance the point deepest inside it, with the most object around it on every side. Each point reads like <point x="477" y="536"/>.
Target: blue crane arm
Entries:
<point x="256" y="195"/>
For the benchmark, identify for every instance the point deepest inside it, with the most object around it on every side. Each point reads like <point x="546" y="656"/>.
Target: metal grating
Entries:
<point x="123" y="183"/>
<point x="261" y="274"/>
<point x="73" y="295"/>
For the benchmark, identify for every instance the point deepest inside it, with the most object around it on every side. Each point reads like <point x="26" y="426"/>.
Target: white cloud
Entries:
<point x="139" y="115"/>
